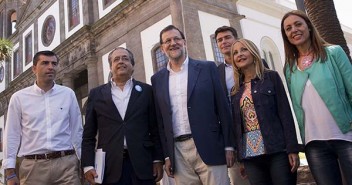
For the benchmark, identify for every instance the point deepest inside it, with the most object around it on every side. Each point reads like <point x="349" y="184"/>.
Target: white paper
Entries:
<point x="99" y="165"/>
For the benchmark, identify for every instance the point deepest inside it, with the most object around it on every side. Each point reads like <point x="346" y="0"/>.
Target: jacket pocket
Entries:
<point x="267" y="96"/>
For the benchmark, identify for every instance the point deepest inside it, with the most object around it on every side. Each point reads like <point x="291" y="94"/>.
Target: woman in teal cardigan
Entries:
<point x="319" y="79"/>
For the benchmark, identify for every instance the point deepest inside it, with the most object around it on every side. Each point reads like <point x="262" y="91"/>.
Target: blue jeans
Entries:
<point x="326" y="158"/>
<point x="271" y="169"/>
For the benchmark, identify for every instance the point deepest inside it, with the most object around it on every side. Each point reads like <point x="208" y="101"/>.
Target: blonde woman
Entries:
<point x="264" y="127"/>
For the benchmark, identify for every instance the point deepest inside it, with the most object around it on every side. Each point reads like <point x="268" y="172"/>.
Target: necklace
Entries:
<point x="306" y="59"/>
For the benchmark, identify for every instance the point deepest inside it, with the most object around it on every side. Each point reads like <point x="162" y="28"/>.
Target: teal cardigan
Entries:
<point x="333" y="81"/>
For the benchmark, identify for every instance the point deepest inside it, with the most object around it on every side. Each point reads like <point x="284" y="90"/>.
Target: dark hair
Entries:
<point x="45" y="53"/>
<point x="226" y="28"/>
<point x="317" y="43"/>
<point x="168" y="28"/>
<point x="129" y="53"/>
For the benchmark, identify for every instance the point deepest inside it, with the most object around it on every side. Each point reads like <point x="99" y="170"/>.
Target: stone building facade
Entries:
<point x="83" y="32"/>
<point x="82" y="51"/>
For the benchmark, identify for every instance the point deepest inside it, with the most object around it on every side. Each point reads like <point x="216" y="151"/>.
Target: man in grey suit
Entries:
<point x="225" y="36"/>
<point x="193" y="116"/>
<point x="123" y="113"/>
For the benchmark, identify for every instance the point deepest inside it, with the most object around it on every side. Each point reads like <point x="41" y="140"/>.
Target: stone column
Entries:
<point x="177" y="14"/>
<point x="67" y="81"/>
<point x="92" y="72"/>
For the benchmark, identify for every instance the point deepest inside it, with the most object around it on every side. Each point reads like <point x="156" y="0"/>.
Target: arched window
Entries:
<point x="159" y="59"/>
<point x="218" y="56"/>
<point x="73" y="13"/>
<point x="12" y="19"/>
<point x="271" y="55"/>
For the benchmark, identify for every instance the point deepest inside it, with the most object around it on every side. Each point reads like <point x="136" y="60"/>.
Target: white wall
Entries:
<point x="209" y="29"/>
<point x="150" y="37"/>
<point x="257" y="25"/>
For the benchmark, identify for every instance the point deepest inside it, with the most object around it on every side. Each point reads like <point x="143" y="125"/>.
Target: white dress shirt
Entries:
<point x="230" y="81"/>
<point x="42" y="122"/>
<point x="121" y="99"/>
<point x="178" y="99"/>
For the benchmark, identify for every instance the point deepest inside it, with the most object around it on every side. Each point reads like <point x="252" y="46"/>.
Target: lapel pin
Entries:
<point x="138" y="88"/>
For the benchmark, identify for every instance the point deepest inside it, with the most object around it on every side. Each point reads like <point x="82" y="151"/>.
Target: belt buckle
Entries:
<point x="46" y="156"/>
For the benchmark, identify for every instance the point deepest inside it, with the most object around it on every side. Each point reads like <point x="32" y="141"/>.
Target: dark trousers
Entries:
<point x="128" y="177"/>
<point x="326" y="158"/>
<point x="272" y="169"/>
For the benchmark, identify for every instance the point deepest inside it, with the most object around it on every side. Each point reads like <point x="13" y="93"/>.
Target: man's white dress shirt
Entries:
<point x="230" y="81"/>
<point x="121" y="98"/>
<point x="178" y="99"/>
<point x="40" y="122"/>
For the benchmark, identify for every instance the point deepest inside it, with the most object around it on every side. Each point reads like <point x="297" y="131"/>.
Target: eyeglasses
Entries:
<point x="175" y="39"/>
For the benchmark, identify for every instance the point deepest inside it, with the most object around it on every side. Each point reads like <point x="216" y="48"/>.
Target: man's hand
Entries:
<point x="294" y="161"/>
<point x="13" y="181"/>
<point x="10" y="172"/>
<point x="169" y="171"/>
<point x="230" y="158"/>
<point x="158" y="171"/>
<point x="90" y="175"/>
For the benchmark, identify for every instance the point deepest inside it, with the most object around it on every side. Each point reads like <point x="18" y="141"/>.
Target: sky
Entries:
<point x="344" y="12"/>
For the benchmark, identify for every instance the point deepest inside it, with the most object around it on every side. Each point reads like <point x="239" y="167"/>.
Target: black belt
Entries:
<point x="184" y="137"/>
<point x="52" y="155"/>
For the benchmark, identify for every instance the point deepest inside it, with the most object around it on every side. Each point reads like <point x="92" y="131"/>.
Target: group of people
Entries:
<point x="201" y="123"/>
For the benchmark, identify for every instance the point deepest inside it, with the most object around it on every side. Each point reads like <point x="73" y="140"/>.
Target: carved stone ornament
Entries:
<point x="48" y="30"/>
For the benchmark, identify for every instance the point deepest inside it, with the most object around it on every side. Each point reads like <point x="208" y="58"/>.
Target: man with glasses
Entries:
<point x="193" y="116"/>
<point x="123" y="113"/>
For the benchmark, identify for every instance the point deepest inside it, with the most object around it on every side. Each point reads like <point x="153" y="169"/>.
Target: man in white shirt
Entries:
<point x="193" y="116"/>
<point x="44" y="126"/>
<point x="225" y="36"/>
<point x="123" y="113"/>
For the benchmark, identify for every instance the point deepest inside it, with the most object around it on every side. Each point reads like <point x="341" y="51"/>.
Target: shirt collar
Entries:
<point x="183" y="67"/>
<point x="127" y="84"/>
<point x="227" y="65"/>
<point x="41" y="91"/>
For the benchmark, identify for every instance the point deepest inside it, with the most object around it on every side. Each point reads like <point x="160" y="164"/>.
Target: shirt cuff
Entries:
<point x="157" y="161"/>
<point x="229" y="148"/>
<point x="87" y="168"/>
<point x="9" y="163"/>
